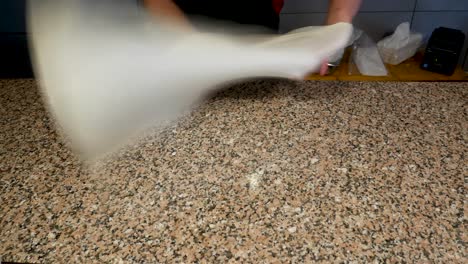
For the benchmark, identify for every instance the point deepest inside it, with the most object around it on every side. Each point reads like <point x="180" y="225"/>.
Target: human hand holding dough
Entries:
<point x="107" y="76"/>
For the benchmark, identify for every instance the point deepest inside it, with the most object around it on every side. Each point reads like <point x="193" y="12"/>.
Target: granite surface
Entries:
<point x="269" y="171"/>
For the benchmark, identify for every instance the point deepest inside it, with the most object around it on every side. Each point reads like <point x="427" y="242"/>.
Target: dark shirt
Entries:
<point x="255" y="12"/>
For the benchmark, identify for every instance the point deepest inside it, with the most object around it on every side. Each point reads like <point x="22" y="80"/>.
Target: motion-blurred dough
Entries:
<point x="107" y="74"/>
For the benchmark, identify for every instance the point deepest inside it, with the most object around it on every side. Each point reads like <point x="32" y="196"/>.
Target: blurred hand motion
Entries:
<point x="107" y="70"/>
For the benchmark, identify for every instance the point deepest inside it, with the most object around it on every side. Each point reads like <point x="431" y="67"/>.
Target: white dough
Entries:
<point x="107" y="75"/>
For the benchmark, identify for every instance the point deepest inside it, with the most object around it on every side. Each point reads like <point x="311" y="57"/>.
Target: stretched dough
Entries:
<point x="107" y="74"/>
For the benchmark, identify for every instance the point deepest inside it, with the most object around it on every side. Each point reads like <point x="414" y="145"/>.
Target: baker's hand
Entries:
<point x="324" y="68"/>
<point x="340" y="11"/>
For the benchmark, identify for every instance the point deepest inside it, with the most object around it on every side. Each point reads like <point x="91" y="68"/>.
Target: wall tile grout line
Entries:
<point x="414" y="12"/>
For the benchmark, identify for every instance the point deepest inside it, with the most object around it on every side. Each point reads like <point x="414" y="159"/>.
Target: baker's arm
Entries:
<point x="342" y="11"/>
<point x="167" y="9"/>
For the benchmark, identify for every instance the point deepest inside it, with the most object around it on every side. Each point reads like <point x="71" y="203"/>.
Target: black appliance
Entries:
<point x="443" y="50"/>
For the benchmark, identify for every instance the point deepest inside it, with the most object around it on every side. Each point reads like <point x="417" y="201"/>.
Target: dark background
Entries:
<point x="14" y="55"/>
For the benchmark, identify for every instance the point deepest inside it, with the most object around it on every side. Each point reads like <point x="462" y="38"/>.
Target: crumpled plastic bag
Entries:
<point x="365" y="56"/>
<point x="399" y="46"/>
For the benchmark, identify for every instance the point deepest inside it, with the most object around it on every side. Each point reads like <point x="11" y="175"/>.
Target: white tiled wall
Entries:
<point x="313" y="6"/>
<point x="380" y="16"/>
<point x="442" y="5"/>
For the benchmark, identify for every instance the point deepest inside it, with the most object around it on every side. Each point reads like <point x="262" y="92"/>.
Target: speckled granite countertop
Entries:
<point x="264" y="172"/>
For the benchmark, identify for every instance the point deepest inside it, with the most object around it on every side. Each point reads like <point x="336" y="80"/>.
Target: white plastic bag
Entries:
<point x="365" y="56"/>
<point x="399" y="46"/>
